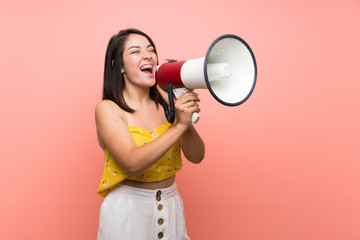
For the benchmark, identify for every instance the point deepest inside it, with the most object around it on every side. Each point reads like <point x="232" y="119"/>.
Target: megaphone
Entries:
<point x="228" y="71"/>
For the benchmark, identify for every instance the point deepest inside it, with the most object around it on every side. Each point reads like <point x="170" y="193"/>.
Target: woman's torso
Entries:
<point x="147" y="118"/>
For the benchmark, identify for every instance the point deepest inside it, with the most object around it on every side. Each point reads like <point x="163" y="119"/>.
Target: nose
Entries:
<point x="146" y="55"/>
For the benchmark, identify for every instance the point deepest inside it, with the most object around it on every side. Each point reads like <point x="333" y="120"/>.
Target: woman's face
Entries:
<point x="140" y="61"/>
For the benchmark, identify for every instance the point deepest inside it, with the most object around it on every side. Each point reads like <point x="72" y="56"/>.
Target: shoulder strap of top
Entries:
<point x="123" y="112"/>
<point x="126" y="122"/>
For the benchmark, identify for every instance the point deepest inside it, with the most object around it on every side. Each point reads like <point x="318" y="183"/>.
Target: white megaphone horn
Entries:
<point x="228" y="71"/>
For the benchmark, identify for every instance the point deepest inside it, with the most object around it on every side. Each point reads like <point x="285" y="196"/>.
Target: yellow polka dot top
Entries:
<point x="166" y="167"/>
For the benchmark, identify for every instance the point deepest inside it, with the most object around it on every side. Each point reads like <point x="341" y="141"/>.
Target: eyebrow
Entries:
<point x="139" y="47"/>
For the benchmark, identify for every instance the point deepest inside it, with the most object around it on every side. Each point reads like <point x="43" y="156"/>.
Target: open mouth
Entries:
<point x="147" y="69"/>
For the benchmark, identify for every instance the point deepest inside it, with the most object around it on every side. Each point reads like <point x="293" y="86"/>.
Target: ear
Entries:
<point x="122" y="70"/>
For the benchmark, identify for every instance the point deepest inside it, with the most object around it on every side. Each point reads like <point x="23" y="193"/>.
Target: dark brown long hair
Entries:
<point x="113" y="80"/>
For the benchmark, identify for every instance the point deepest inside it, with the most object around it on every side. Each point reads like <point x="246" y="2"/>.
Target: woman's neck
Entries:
<point x="137" y="98"/>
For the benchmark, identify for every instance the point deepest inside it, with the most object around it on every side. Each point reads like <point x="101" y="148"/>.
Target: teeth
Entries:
<point x="146" y="67"/>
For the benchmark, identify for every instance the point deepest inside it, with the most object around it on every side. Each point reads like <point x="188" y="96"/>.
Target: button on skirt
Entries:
<point x="132" y="213"/>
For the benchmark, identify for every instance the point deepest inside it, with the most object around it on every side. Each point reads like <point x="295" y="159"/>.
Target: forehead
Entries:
<point x="136" y="40"/>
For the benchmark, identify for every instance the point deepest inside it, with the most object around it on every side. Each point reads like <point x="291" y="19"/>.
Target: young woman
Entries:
<point x="142" y="150"/>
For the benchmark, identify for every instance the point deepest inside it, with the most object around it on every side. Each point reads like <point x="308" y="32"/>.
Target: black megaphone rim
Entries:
<point x="206" y="75"/>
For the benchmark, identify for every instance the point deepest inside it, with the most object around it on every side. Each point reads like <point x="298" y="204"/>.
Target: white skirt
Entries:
<point x="132" y="213"/>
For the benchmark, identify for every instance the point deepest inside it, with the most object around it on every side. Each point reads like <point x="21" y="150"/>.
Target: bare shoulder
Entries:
<point x="107" y="110"/>
<point x="110" y="122"/>
<point x="107" y="107"/>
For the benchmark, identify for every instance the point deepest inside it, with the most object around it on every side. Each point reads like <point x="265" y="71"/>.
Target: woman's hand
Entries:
<point x="185" y="106"/>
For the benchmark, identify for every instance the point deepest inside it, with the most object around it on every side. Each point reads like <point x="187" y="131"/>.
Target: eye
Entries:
<point x="135" y="52"/>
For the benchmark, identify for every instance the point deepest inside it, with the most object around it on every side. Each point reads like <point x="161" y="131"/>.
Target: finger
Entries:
<point x="189" y="96"/>
<point x="187" y="107"/>
<point x="192" y="109"/>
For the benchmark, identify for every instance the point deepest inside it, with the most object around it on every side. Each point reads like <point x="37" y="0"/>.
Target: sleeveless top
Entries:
<point x="166" y="167"/>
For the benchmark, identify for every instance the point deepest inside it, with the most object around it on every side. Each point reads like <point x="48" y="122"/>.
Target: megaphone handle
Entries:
<point x="180" y="91"/>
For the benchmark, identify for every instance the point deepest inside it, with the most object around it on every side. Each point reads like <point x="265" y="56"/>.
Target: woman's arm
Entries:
<point x="192" y="145"/>
<point x="114" y="135"/>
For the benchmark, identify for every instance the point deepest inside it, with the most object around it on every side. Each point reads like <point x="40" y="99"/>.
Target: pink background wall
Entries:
<point x="284" y="165"/>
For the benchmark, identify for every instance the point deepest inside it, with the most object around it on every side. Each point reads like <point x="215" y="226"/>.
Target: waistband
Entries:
<point x="141" y="193"/>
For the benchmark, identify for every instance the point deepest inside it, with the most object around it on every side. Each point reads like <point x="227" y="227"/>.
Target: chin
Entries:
<point x="151" y="82"/>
